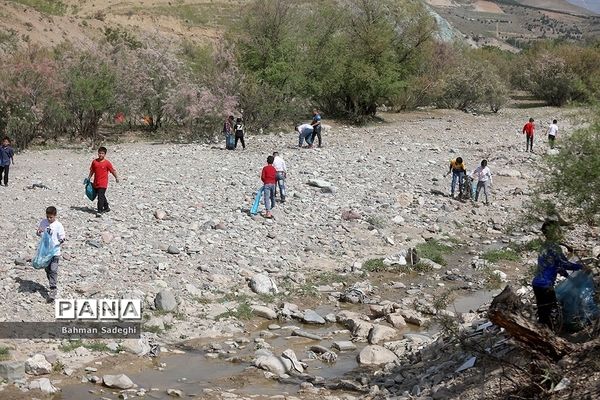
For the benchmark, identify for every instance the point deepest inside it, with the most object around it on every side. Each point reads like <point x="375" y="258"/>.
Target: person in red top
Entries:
<point x="269" y="178"/>
<point x="99" y="170"/>
<point x="528" y="131"/>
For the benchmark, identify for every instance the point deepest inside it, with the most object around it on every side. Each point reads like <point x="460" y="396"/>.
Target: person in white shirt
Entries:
<point x="57" y="233"/>
<point x="552" y="132"/>
<point x="279" y="164"/>
<point x="484" y="180"/>
<point x="305" y="132"/>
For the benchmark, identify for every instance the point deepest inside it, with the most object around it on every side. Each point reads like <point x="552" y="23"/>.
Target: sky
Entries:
<point x="593" y="5"/>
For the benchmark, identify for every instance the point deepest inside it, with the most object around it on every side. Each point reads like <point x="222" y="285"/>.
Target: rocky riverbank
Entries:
<point x="180" y="237"/>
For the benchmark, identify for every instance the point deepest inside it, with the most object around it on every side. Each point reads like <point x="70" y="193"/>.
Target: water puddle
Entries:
<point x="231" y="368"/>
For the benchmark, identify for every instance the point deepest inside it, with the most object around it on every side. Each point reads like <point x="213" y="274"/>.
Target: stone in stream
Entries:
<point x="174" y="393"/>
<point x="12" y="370"/>
<point x="291" y="356"/>
<point x="38" y="365"/>
<point x="272" y="364"/>
<point x="300" y="332"/>
<point x="376" y="355"/>
<point x="165" y="301"/>
<point x="396" y="319"/>
<point x="264" y="312"/>
<point x="44" y="385"/>
<point x="262" y="284"/>
<point x="381" y="333"/>
<point x="311" y="317"/>
<point x="344" y="345"/>
<point x="120" y="381"/>
<point x="413" y="317"/>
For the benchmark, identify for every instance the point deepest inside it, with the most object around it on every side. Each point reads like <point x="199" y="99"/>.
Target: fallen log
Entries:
<point x="505" y="312"/>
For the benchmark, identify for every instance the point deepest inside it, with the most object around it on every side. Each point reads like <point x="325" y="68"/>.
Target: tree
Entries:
<point x="90" y="92"/>
<point x="30" y="93"/>
<point x="572" y="181"/>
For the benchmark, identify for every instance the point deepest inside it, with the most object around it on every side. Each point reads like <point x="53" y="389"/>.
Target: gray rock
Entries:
<point x="12" y="370"/>
<point x="272" y="364"/>
<point x="320" y="183"/>
<point x="262" y="284"/>
<point x="160" y="214"/>
<point x="396" y="320"/>
<point x="343" y="345"/>
<point x="264" y="312"/>
<point x="311" y="317"/>
<point x="174" y="393"/>
<point x="381" y="333"/>
<point x="376" y="355"/>
<point x="300" y="332"/>
<point x="173" y="249"/>
<point x="120" y="381"/>
<point x="38" y="365"/>
<point x="94" y="243"/>
<point x="20" y="261"/>
<point x="44" y="385"/>
<point x="165" y="301"/>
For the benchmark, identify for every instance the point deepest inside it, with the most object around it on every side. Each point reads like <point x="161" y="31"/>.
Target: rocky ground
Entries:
<point x="180" y="226"/>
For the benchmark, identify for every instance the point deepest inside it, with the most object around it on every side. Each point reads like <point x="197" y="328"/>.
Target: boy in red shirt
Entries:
<point x="99" y="170"/>
<point x="528" y="130"/>
<point x="269" y="178"/>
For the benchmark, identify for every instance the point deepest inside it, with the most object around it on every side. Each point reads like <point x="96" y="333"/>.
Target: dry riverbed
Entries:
<point x="180" y="226"/>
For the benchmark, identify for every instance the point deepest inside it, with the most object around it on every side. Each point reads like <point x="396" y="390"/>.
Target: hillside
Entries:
<point x="49" y="22"/>
<point x="517" y="22"/>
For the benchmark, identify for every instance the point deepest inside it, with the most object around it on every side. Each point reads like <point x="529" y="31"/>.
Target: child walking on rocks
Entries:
<point x="99" y="170"/>
<point x="57" y="234"/>
<point x="484" y="180"/>
<point x="528" y="130"/>
<point x="269" y="178"/>
<point x="6" y="157"/>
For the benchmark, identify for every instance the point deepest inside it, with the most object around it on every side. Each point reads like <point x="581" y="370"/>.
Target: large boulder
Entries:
<point x="376" y="355"/>
<point x="165" y="301"/>
<point x="262" y="284"/>
<point x="38" y="365"/>
<point x="120" y="381"/>
<point x="381" y="333"/>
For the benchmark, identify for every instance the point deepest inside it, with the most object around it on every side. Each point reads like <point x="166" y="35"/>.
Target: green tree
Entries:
<point x="572" y="182"/>
<point x="90" y="92"/>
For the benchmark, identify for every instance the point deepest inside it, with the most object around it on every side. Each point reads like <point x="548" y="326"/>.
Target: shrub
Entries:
<point x="501" y="254"/>
<point x="572" y="183"/>
<point x="434" y="251"/>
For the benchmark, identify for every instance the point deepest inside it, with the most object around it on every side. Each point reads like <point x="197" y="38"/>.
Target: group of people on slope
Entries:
<point x="482" y="174"/>
<point x="529" y="129"/>
<point x="273" y="176"/>
<point x="308" y="132"/>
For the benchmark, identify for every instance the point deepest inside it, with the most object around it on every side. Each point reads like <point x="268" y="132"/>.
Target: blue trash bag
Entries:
<point x="90" y="192"/>
<point x="254" y="209"/>
<point x="45" y="251"/>
<point x="576" y="298"/>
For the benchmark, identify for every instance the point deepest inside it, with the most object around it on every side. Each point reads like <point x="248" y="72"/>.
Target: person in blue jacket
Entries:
<point x="551" y="262"/>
